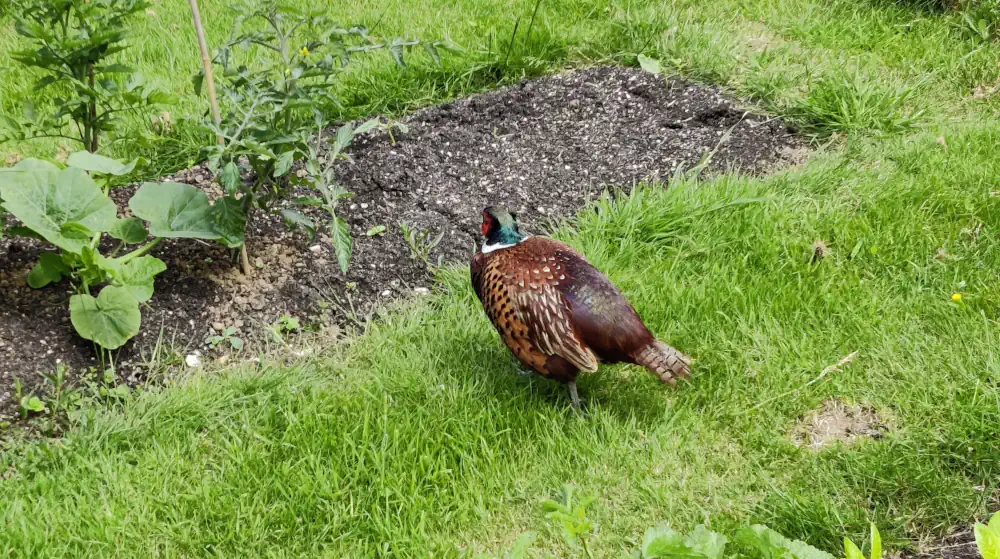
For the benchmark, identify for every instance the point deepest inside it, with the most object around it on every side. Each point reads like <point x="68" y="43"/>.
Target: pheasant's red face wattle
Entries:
<point x="487" y="220"/>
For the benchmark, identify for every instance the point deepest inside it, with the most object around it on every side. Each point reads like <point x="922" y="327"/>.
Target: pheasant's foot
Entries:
<point x="571" y="386"/>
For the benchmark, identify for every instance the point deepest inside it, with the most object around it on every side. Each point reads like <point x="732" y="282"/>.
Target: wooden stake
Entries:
<point x="206" y="62"/>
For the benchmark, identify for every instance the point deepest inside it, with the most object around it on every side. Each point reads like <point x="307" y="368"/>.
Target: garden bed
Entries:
<point x="543" y="148"/>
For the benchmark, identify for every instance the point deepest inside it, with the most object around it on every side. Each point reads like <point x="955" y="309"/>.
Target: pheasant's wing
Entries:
<point x="543" y="309"/>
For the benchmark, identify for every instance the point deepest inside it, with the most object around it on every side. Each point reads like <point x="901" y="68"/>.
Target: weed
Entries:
<point x="228" y="336"/>
<point x="286" y="324"/>
<point x="571" y="517"/>
<point x="421" y="244"/>
<point x="27" y="403"/>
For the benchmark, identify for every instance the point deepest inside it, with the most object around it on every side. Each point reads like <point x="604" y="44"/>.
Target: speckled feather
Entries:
<point x="559" y="315"/>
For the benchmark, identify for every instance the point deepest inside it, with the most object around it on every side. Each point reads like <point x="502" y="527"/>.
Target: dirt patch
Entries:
<point x="836" y="421"/>
<point x="960" y="545"/>
<point x="543" y="148"/>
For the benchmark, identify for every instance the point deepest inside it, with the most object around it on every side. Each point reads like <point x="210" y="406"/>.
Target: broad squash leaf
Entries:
<point x="110" y="319"/>
<point x="707" y="543"/>
<point x="174" y="210"/>
<point x="50" y="269"/>
<point x="47" y="200"/>
<point x="773" y="545"/>
<point x="136" y="275"/>
<point x="100" y="164"/>
<point x="131" y="230"/>
<point x="988" y="538"/>
<point x="665" y="542"/>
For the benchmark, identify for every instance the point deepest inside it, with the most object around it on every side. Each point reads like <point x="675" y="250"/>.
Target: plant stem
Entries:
<point x="141" y="250"/>
<point x="92" y="148"/>
<point x="245" y="260"/>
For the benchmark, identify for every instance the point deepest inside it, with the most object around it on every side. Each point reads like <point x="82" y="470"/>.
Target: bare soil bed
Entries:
<point x="543" y="148"/>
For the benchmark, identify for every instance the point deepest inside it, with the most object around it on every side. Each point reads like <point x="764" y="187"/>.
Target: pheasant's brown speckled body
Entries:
<point x="558" y="314"/>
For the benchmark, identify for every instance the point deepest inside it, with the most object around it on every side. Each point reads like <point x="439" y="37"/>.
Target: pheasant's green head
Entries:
<point x="500" y="229"/>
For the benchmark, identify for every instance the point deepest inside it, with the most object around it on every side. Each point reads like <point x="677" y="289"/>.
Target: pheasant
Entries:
<point x="557" y="313"/>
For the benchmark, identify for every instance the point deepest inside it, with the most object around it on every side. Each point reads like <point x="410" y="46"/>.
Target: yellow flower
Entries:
<point x="304" y="51"/>
<point x="957" y="297"/>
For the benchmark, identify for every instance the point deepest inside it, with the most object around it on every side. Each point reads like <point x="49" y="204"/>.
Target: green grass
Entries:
<point x="802" y="58"/>
<point x="419" y="437"/>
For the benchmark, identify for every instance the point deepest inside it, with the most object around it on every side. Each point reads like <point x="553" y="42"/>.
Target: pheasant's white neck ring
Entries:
<point x="488" y="248"/>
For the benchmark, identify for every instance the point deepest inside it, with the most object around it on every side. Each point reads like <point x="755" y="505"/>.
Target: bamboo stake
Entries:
<point x="206" y="62"/>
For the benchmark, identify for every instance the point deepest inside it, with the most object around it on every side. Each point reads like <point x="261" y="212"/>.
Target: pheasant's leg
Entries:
<point x="571" y="385"/>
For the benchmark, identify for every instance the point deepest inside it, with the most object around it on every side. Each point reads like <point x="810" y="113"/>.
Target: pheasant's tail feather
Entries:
<point x="665" y="362"/>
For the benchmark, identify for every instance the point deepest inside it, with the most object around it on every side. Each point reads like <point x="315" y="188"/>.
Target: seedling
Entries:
<point x="571" y="516"/>
<point x="228" y="336"/>
<point x="285" y="325"/>
<point x="421" y="244"/>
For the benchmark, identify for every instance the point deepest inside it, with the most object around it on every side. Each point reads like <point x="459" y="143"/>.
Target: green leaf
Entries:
<point x="396" y="50"/>
<point x="876" y="551"/>
<point x="33" y="404"/>
<point x="772" y="545"/>
<point x="197" y="81"/>
<point x="230" y="221"/>
<point x="175" y="210"/>
<point x="664" y="541"/>
<point x="376" y="230"/>
<point x="342" y="242"/>
<point x="46" y="199"/>
<point x="851" y="551"/>
<point x="136" y="275"/>
<point x="110" y="319"/>
<point x="100" y="164"/>
<point x="650" y="65"/>
<point x="344" y="135"/>
<point x="50" y="269"/>
<point x="706" y="543"/>
<point x="988" y="538"/>
<point x="294" y="219"/>
<point x="284" y="163"/>
<point x="431" y="50"/>
<point x="131" y="230"/>
<point x="90" y="266"/>
<point x="366" y="126"/>
<point x="160" y="97"/>
<point x="230" y="178"/>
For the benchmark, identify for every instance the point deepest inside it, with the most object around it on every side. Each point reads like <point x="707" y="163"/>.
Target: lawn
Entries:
<point x="419" y="438"/>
